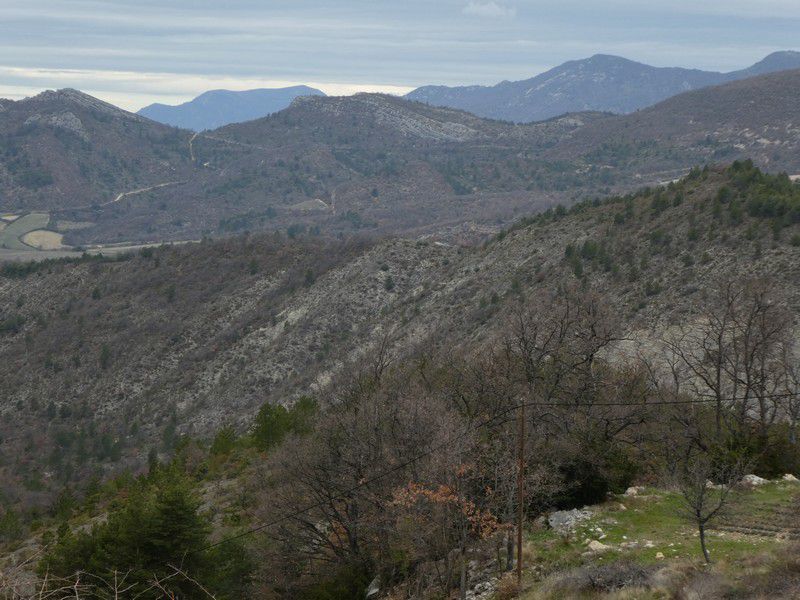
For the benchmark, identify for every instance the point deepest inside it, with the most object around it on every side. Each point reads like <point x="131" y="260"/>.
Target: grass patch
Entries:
<point x="653" y="523"/>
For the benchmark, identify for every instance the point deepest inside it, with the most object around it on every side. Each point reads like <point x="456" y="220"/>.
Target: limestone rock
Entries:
<point x="596" y="546"/>
<point x="753" y="480"/>
<point x="66" y="121"/>
<point x="565" y="521"/>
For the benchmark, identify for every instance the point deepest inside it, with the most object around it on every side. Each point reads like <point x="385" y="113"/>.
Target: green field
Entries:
<point x="651" y="530"/>
<point x="10" y="236"/>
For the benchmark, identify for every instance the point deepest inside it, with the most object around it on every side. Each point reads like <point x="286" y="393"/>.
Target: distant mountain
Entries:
<point x="368" y="162"/>
<point x="221" y="107"/>
<point x="600" y="83"/>
<point x="777" y="61"/>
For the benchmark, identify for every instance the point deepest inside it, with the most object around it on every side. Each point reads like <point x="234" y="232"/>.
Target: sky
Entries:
<point x="134" y="52"/>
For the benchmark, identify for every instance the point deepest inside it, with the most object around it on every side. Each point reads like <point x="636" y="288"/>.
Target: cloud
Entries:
<point x="132" y="90"/>
<point x="488" y="9"/>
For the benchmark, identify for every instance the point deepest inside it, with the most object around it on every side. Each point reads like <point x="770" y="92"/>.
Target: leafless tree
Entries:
<point x="732" y="354"/>
<point x="372" y="441"/>
<point x="706" y="489"/>
<point x="791" y="389"/>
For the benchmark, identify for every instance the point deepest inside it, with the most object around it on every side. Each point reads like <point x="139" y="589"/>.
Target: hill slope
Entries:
<point x="600" y="83"/>
<point x="189" y="338"/>
<point x="756" y="117"/>
<point x="66" y="149"/>
<point x="216" y="108"/>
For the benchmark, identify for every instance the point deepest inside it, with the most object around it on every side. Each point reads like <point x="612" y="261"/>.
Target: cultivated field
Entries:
<point x="44" y="239"/>
<point x="11" y="236"/>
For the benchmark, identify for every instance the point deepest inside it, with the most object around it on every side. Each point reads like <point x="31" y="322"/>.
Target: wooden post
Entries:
<point x="520" y="489"/>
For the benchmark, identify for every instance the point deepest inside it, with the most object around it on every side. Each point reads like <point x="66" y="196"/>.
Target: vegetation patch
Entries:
<point x="11" y="236"/>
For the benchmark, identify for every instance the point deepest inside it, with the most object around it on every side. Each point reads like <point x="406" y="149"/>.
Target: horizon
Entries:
<point x="133" y="57"/>
<point x="330" y="89"/>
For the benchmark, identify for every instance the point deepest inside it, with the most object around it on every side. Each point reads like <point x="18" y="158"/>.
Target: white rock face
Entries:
<point x="633" y="491"/>
<point x="753" y="480"/>
<point x="790" y="477"/>
<point x="66" y="120"/>
<point x="565" y="521"/>
<point x="396" y="116"/>
<point x="85" y="101"/>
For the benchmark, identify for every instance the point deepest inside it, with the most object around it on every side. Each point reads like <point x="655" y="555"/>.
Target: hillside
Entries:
<point x="217" y="108"/>
<point x="64" y="149"/>
<point x="186" y="339"/>
<point x="600" y="83"/>
<point x="403" y="167"/>
<point x="366" y="163"/>
<point x="371" y="382"/>
<point x="756" y="117"/>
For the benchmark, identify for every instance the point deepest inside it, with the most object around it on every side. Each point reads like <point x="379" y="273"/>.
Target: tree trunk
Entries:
<point x="509" y="550"/>
<point x="463" y="587"/>
<point x="702" y="529"/>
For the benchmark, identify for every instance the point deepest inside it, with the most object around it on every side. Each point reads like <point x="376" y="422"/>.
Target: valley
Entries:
<point x="370" y="347"/>
<point x="393" y="166"/>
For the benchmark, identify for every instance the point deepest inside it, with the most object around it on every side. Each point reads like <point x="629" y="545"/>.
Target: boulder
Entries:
<point x="596" y="546"/>
<point x="374" y="588"/>
<point x="633" y="491"/>
<point x="753" y="480"/>
<point x="565" y="521"/>
<point x="790" y="477"/>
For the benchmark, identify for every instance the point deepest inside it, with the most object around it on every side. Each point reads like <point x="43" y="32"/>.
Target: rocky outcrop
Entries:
<point x="564" y="522"/>
<point x="66" y="121"/>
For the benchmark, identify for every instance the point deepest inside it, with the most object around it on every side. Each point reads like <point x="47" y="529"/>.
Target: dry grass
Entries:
<point x="44" y="239"/>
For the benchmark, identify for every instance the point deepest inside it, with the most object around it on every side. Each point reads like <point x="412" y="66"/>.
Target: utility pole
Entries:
<point x="520" y="488"/>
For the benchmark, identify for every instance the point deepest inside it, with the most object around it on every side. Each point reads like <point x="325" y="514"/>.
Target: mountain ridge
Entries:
<point x="602" y="82"/>
<point x="217" y="108"/>
<point x="367" y="163"/>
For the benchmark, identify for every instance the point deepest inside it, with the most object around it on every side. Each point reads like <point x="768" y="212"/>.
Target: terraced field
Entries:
<point x="774" y="517"/>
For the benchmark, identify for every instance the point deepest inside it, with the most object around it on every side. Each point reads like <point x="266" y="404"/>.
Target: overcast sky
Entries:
<point x="133" y="52"/>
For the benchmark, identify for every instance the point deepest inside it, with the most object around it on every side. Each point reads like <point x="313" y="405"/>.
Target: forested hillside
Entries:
<point x="375" y="384"/>
<point x="367" y="163"/>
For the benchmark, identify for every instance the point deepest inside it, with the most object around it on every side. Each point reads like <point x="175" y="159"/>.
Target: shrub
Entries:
<point x="224" y="442"/>
<point x="105" y="357"/>
<point x="12" y="324"/>
<point x="583" y="581"/>
<point x="274" y="422"/>
<point x="507" y="587"/>
<point x="157" y="525"/>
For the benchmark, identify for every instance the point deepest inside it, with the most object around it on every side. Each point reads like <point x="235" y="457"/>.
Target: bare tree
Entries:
<point x="706" y="489"/>
<point x="791" y="390"/>
<point x="371" y="442"/>
<point x="732" y="354"/>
